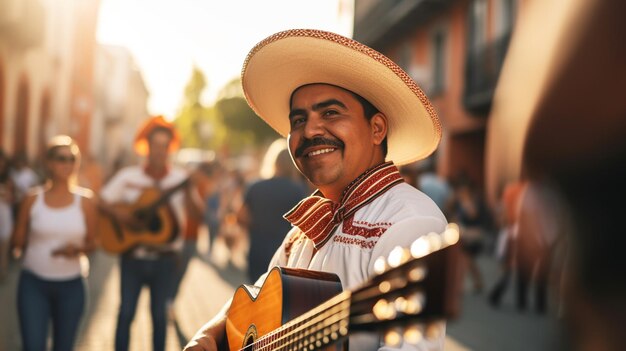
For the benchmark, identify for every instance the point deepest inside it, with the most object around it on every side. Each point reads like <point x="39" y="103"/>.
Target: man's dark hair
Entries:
<point x="158" y="129"/>
<point x="369" y="110"/>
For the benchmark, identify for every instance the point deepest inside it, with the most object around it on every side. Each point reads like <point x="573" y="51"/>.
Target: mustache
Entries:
<point x="306" y="143"/>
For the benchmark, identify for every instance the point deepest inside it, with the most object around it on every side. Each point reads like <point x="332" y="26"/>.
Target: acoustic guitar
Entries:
<point x="298" y="309"/>
<point x="154" y="221"/>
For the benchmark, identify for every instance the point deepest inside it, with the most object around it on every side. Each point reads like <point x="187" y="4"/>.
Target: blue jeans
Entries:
<point x="39" y="301"/>
<point x="158" y="275"/>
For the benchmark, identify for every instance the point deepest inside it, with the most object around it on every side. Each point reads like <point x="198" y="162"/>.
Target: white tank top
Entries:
<point x="52" y="228"/>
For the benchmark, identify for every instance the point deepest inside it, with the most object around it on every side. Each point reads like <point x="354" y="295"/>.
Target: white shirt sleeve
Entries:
<point x="113" y="190"/>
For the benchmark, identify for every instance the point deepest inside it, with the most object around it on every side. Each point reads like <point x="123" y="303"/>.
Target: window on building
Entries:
<point x="505" y="17"/>
<point x="477" y="25"/>
<point x="438" y="40"/>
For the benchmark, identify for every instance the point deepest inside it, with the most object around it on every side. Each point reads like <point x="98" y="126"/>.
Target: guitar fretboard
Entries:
<point x="317" y="328"/>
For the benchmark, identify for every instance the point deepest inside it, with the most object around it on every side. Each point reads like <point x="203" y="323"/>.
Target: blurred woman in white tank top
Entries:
<point x="54" y="230"/>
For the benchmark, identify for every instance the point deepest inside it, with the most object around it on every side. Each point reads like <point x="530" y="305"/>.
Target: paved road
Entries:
<point x="483" y="328"/>
<point x="208" y="284"/>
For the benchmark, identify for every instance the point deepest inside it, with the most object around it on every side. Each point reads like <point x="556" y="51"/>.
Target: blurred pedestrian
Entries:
<point x="7" y="196"/>
<point x="435" y="186"/>
<point x="203" y="179"/>
<point x="264" y="203"/>
<point x="536" y="240"/>
<point x="215" y="172"/>
<point x="470" y="213"/>
<point x="55" y="229"/>
<point x="506" y="246"/>
<point x="145" y="261"/>
<point x="24" y="177"/>
<point x="229" y="232"/>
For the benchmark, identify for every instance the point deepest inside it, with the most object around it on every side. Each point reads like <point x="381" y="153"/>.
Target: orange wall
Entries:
<point x="82" y="87"/>
<point x="2" y="92"/>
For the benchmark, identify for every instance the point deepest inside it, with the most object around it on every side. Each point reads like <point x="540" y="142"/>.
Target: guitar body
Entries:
<point x="158" y="225"/>
<point x="286" y="294"/>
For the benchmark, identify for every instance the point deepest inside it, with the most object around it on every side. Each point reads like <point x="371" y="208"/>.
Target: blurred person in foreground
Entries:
<point x="55" y="228"/>
<point x="7" y="196"/>
<point x="262" y="218"/>
<point x="325" y="93"/>
<point x="573" y="153"/>
<point x="575" y="148"/>
<point x="149" y="263"/>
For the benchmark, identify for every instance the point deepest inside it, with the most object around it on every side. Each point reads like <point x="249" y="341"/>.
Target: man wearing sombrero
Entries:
<point x="351" y="117"/>
<point x="145" y="260"/>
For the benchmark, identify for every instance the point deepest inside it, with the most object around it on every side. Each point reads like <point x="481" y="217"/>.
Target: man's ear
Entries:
<point x="378" y="122"/>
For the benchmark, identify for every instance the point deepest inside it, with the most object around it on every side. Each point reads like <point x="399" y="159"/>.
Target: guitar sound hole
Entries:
<point x="154" y="224"/>
<point x="249" y="344"/>
<point x="251" y="335"/>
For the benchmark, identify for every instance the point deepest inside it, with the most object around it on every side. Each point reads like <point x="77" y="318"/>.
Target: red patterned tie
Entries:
<point x="317" y="216"/>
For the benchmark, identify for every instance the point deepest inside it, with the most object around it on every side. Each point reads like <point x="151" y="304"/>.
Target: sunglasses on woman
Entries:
<point x="64" y="159"/>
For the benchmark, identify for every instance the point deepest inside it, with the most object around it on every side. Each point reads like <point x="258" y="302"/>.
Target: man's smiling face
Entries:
<point x="331" y="140"/>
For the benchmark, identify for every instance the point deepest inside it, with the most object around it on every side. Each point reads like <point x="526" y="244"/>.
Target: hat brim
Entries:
<point x="288" y="60"/>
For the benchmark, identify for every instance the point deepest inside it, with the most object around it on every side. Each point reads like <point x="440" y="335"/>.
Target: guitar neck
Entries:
<point x="321" y="326"/>
<point x="169" y="192"/>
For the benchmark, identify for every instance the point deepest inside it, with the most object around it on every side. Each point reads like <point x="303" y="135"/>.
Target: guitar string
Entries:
<point x="309" y="326"/>
<point x="299" y="341"/>
<point x="293" y="337"/>
<point x="303" y="330"/>
<point x="317" y="327"/>
<point x="300" y="325"/>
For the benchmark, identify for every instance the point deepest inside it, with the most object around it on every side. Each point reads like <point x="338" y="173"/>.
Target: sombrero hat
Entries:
<point x="141" y="138"/>
<point x="281" y="63"/>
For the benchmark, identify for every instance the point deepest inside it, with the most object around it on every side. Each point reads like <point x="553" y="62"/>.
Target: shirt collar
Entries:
<point x="317" y="217"/>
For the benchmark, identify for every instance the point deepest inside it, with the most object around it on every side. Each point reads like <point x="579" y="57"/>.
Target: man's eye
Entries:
<point x="330" y="112"/>
<point x="297" y="121"/>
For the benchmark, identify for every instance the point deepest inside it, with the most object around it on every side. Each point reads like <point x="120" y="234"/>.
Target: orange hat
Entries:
<point x="141" y="139"/>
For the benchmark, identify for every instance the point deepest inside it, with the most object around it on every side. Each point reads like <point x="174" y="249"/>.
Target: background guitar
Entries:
<point x="154" y="223"/>
<point x="298" y="309"/>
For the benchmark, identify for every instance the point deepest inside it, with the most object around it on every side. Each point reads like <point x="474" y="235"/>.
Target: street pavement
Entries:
<point x="212" y="280"/>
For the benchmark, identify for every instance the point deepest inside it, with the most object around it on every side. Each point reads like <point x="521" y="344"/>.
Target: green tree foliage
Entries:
<point x="198" y="125"/>
<point x="244" y="126"/>
<point x="228" y="125"/>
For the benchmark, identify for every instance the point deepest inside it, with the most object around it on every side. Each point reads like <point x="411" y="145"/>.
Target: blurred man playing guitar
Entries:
<point x="144" y="209"/>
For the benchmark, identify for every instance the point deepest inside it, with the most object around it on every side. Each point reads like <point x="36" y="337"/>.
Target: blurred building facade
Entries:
<point x="120" y="106"/>
<point x="454" y="49"/>
<point x="46" y="59"/>
<point x="55" y="78"/>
